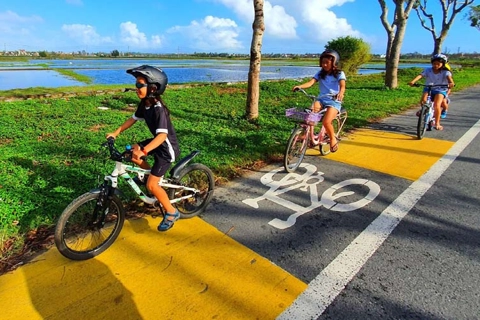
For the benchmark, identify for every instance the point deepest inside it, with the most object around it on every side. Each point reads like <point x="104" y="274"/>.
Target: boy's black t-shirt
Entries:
<point x="158" y="121"/>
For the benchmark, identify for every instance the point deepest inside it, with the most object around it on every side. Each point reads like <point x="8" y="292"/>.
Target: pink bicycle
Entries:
<point x="304" y="136"/>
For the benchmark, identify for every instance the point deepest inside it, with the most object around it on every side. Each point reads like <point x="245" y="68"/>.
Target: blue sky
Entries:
<point x="186" y="26"/>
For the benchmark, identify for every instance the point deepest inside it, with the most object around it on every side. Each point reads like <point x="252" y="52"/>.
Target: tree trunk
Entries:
<point x="396" y="33"/>
<point x="255" y="60"/>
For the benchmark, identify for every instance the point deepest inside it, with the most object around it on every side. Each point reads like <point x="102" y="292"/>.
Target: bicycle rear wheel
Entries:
<point x="324" y="146"/>
<point x="422" y="122"/>
<point x="296" y="148"/>
<point x="83" y="231"/>
<point x="200" y="178"/>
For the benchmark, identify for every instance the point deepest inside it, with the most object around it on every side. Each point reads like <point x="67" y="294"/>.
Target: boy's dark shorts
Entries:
<point x="161" y="165"/>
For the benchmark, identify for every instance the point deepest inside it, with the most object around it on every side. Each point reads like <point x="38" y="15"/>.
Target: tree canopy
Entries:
<point x="474" y="16"/>
<point x="450" y="8"/>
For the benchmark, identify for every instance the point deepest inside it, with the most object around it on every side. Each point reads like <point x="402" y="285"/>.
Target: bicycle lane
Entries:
<point x="231" y="265"/>
<point x="389" y="155"/>
<point x="193" y="269"/>
<point x="321" y="231"/>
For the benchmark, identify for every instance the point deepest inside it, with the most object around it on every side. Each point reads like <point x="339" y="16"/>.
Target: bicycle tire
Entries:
<point x="197" y="176"/>
<point x="422" y="122"/>
<point x="79" y="235"/>
<point x="296" y="148"/>
<point x="324" y="146"/>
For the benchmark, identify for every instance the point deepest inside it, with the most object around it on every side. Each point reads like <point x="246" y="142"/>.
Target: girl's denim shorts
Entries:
<point x="328" y="102"/>
<point x="435" y="92"/>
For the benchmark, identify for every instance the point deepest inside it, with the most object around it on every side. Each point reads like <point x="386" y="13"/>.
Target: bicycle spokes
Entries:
<point x="296" y="148"/>
<point x="198" y="183"/>
<point x="86" y="229"/>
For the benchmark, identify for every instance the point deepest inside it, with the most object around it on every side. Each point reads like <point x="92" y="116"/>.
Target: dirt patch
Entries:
<point x="35" y="242"/>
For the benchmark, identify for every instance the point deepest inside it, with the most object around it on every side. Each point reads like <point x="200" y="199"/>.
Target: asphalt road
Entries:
<point x="386" y="228"/>
<point x="411" y="253"/>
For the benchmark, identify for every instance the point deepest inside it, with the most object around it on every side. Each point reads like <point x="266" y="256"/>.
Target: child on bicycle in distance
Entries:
<point x="438" y="74"/>
<point x="446" y="101"/>
<point x="150" y="84"/>
<point x="332" y="90"/>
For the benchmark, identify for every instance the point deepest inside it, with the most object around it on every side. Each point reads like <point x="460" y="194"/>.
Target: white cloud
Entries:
<point x="131" y="36"/>
<point x="323" y="23"/>
<point x="278" y="23"/>
<point x="211" y="34"/>
<point x="13" y="24"/>
<point x="315" y="21"/>
<point x="85" y="34"/>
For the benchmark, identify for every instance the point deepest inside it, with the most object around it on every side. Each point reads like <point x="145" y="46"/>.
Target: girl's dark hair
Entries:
<point x="159" y="98"/>
<point x="334" y="57"/>
<point x="154" y="100"/>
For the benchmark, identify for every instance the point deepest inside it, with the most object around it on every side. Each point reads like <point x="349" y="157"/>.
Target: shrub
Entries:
<point x="353" y="52"/>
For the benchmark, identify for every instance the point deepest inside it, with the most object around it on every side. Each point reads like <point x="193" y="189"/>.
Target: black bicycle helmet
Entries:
<point x="439" y="57"/>
<point x="153" y="75"/>
<point x="331" y="53"/>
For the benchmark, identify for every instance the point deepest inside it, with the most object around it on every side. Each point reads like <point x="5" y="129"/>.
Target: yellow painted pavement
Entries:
<point x="193" y="271"/>
<point x="395" y="154"/>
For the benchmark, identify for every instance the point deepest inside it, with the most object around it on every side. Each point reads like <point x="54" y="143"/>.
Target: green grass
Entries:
<point x="74" y="75"/>
<point x="50" y="147"/>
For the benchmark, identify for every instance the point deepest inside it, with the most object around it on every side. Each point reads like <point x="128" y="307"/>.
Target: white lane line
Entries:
<point x="321" y="292"/>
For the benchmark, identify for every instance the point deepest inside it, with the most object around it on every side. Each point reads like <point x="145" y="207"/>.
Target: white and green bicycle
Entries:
<point x="92" y="222"/>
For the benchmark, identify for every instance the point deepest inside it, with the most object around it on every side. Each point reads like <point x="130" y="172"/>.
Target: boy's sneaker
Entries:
<point x="168" y="220"/>
<point x="418" y="113"/>
<point x="444" y="114"/>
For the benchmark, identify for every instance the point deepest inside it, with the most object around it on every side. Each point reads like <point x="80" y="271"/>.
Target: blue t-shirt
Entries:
<point x="329" y="85"/>
<point x="436" y="78"/>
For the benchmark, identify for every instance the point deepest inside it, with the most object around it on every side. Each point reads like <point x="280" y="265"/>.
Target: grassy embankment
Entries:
<point x="50" y="146"/>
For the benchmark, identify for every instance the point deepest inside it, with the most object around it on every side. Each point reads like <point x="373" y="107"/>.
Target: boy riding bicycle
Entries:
<point x="151" y="82"/>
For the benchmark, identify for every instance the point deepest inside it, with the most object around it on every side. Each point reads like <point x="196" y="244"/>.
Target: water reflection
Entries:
<point x="33" y="78"/>
<point x="17" y="75"/>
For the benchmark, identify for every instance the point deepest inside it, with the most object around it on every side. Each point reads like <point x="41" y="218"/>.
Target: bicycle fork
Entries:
<point x="103" y="204"/>
<point x="429" y="119"/>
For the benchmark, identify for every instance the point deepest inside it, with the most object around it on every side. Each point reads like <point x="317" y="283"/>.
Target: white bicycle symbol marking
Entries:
<point x="309" y="181"/>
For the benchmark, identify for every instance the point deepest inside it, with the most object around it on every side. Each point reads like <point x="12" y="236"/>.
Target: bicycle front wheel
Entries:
<point x="83" y="231"/>
<point x="422" y="122"/>
<point x="324" y="145"/>
<point x="199" y="183"/>
<point x="296" y="148"/>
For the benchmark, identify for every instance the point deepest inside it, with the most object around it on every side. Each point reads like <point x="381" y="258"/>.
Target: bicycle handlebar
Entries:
<point x="116" y="155"/>
<point x="430" y="85"/>
<point x="311" y="96"/>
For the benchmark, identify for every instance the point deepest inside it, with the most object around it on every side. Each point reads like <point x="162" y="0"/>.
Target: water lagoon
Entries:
<point x="20" y="75"/>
